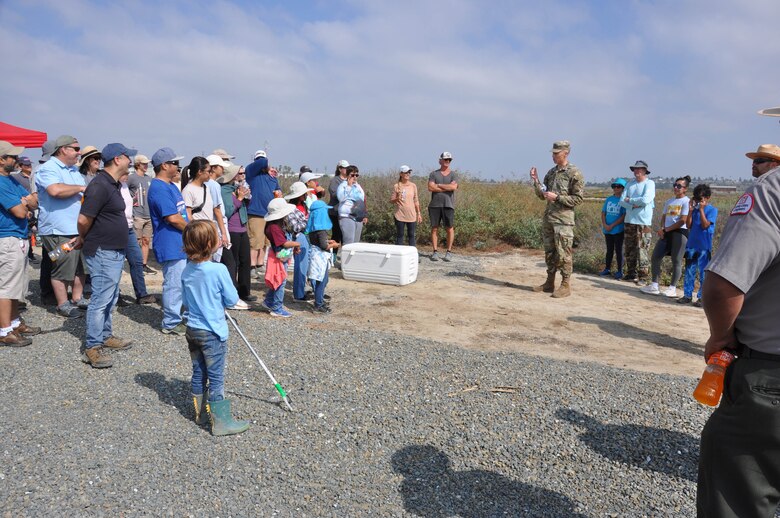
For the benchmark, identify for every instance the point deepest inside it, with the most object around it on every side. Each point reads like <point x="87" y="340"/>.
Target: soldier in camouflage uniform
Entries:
<point x="562" y="187"/>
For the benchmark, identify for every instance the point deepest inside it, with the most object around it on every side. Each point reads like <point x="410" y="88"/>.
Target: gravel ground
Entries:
<point x="383" y="425"/>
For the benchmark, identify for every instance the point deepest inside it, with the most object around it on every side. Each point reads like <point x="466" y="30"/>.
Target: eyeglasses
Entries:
<point x="679" y="186"/>
<point x="759" y="161"/>
<point x="74" y="148"/>
<point x="616" y="186"/>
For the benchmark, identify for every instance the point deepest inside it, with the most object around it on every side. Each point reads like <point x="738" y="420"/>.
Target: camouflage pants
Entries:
<point x="637" y="247"/>
<point x="558" y="241"/>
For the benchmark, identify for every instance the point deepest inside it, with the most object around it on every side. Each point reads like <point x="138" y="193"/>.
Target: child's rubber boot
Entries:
<point x="222" y="422"/>
<point x="201" y="413"/>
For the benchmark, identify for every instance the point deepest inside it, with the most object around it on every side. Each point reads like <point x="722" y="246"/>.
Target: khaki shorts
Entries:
<point x="68" y="265"/>
<point x="256" y="228"/>
<point x="13" y="268"/>
<point x="143" y="228"/>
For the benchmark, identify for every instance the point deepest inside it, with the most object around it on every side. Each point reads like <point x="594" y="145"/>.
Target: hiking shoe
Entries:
<point x="14" y="340"/>
<point x="630" y="277"/>
<point x="179" y="330"/>
<point x="96" y="357"/>
<point x="239" y="306"/>
<point x="250" y="298"/>
<point x="68" y="310"/>
<point x="148" y="299"/>
<point x="671" y="292"/>
<point x="618" y="276"/>
<point x="684" y="300"/>
<point x="25" y="330"/>
<point x="650" y="290"/>
<point x="605" y="272"/>
<point x="82" y="303"/>
<point x="698" y="303"/>
<point x="322" y="309"/>
<point x="150" y="271"/>
<point x="282" y="313"/>
<point x="117" y="344"/>
<point x="447" y="256"/>
<point x="435" y="256"/>
<point x="122" y="302"/>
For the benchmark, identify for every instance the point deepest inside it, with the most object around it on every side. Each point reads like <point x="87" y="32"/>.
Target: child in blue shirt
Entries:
<point x="207" y="290"/>
<point x="612" y="216"/>
<point x="698" y="250"/>
<point x="321" y="257"/>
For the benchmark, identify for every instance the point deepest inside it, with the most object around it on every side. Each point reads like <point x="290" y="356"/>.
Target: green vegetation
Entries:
<point x="498" y="215"/>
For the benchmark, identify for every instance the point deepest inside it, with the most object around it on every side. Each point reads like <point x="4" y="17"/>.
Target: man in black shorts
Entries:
<point x="442" y="183"/>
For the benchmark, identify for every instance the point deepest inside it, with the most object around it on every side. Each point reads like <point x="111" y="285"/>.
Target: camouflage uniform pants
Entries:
<point x="637" y="249"/>
<point x="558" y="241"/>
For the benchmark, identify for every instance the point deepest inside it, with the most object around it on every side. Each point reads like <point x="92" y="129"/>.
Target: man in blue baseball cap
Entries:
<point x="169" y="217"/>
<point x="102" y="214"/>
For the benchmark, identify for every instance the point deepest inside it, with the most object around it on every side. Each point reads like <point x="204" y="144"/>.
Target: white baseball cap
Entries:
<point x="306" y="177"/>
<point x="260" y="153"/>
<point x="216" y="160"/>
<point x="343" y="163"/>
<point x="406" y="169"/>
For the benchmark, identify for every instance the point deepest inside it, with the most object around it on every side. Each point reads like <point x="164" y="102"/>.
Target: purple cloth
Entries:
<point x="234" y="223"/>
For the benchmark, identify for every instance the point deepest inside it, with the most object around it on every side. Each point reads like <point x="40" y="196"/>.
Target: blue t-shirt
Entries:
<point x="164" y="200"/>
<point x="57" y="216"/>
<point x="612" y="212"/>
<point x="11" y="194"/>
<point x="700" y="238"/>
<point x="262" y="186"/>
<point x="207" y="291"/>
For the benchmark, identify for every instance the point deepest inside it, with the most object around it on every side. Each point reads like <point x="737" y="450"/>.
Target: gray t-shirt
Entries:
<point x="24" y="181"/>
<point x="333" y="187"/>
<point x="139" y="186"/>
<point x="442" y="199"/>
<point x="748" y="256"/>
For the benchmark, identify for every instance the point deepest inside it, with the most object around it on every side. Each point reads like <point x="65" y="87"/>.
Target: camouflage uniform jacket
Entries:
<point x="569" y="184"/>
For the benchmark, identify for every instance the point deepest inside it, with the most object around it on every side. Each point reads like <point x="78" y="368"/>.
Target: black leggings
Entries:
<point x="614" y="246"/>
<point x="411" y="229"/>
<point x="673" y="243"/>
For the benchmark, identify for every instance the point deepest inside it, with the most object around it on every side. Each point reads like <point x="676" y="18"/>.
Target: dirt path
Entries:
<point x="604" y="321"/>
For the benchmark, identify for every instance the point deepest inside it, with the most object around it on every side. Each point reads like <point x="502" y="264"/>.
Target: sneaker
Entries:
<point x="684" y="300"/>
<point x="122" y="302"/>
<point x="96" y="357"/>
<point x="650" y="290"/>
<point x="447" y="256"/>
<point x="82" y="303"/>
<point x="150" y="271"/>
<point x="605" y="272"/>
<point x="618" y="276"/>
<point x="322" y="309"/>
<point x="630" y="277"/>
<point x="250" y="298"/>
<point x="283" y="313"/>
<point x="179" y="330"/>
<point x="68" y="310"/>
<point x="326" y="297"/>
<point x="117" y="344"/>
<point x="671" y="292"/>
<point x="307" y="296"/>
<point x="698" y="303"/>
<point x="642" y="282"/>
<point x="14" y="340"/>
<point x="148" y="299"/>
<point x="239" y="306"/>
<point x="435" y="256"/>
<point x="25" y="330"/>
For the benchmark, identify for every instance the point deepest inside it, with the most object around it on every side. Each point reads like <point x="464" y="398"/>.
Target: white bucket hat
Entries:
<point x="297" y="190"/>
<point x="278" y="208"/>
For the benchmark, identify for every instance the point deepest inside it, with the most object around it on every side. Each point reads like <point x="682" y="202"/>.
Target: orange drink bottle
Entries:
<point x="710" y="387"/>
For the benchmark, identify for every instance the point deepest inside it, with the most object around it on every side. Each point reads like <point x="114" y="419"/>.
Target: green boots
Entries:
<point x="222" y="422"/>
<point x="201" y="412"/>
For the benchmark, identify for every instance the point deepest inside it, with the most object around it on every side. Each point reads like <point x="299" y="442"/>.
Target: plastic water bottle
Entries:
<point x="710" y="387"/>
<point x="58" y="252"/>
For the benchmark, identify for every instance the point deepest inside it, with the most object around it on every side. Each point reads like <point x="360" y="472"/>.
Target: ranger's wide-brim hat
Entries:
<point x="766" y="151"/>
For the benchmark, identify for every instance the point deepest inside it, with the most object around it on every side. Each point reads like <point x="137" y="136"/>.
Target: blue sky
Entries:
<point x="379" y="83"/>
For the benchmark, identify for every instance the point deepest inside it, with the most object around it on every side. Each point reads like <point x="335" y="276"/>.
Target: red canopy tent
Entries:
<point x="21" y="136"/>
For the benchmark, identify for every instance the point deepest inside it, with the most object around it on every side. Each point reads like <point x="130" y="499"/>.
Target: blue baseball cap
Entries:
<point x="163" y="155"/>
<point x="115" y="149"/>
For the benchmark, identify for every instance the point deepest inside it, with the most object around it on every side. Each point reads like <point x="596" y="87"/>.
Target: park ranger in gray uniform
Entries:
<point x="739" y="463"/>
<point x="562" y="187"/>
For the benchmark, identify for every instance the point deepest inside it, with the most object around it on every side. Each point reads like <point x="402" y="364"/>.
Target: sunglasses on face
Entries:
<point x="616" y="186"/>
<point x="759" y="161"/>
<point x="679" y="186"/>
<point x="74" y="148"/>
<point x="173" y="162"/>
<point x="447" y="159"/>
<point x="354" y="175"/>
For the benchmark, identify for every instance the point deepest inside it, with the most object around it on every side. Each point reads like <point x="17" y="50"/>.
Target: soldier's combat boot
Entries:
<point x="548" y="286"/>
<point x="564" y="290"/>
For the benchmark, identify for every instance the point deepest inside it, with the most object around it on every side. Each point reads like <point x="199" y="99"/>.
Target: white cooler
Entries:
<point x="385" y="264"/>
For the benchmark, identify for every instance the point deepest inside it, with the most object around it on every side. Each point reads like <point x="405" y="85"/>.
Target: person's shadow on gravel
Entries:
<point x="672" y="453"/>
<point x="174" y="392"/>
<point x="621" y="329"/>
<point x="432" y="489"/>
<point x="488" y="280"/>
<point x="148" y="314"/>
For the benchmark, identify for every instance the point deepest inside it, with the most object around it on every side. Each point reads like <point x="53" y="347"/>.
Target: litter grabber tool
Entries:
<point x="279" y="387"/>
